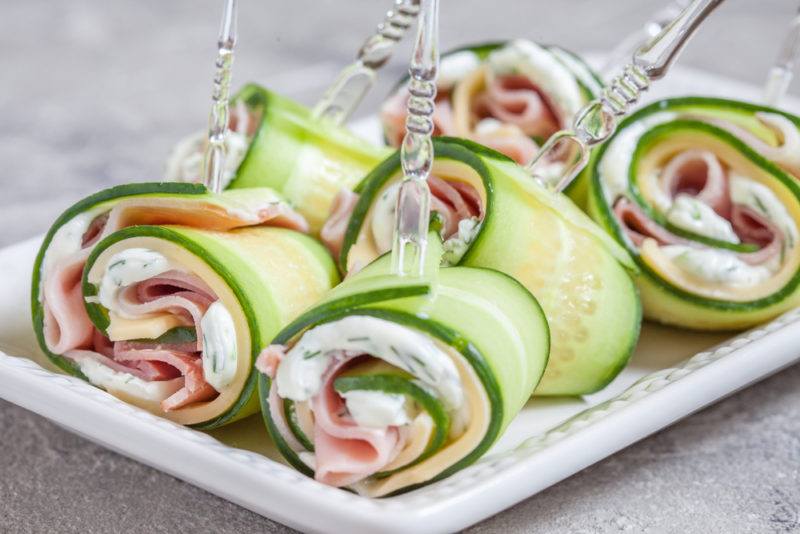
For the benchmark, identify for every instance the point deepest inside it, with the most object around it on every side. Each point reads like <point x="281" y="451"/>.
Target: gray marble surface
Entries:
<point x="94" y="93"/>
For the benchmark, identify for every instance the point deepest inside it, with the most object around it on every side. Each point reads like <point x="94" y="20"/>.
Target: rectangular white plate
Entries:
<point x="672" y="374"/>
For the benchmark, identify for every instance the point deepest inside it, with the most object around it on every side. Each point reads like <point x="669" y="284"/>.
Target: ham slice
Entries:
<point x="269" y="359"/>
<point x="700" y="174"/>
<point x="173" y="291"/>
<point x="515" y="99"/>
<point x="182" y="294"/>
<point x="95" y="230"/>
<point x="509" y="142"/>
<point x="752" y="227"/>
<point x="332" y="233"/>
<point x="346" y="452"/>
<point x="638" y="226"/>
<point x="195" y="388"/>
<point x="66" y="324"/>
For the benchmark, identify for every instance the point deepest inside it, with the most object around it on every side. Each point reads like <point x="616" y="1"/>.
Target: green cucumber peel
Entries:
<point x="290" y="414"/>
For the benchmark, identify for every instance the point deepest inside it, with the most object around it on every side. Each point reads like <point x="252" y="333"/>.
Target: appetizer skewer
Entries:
<point x="304" y="154"/>
<point x="416" y="152"/>
<point x="218" y="121"/>
<point x="596" y="121"/>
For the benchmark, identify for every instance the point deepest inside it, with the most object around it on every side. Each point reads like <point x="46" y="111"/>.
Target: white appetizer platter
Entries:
<point x="672" y="374"/>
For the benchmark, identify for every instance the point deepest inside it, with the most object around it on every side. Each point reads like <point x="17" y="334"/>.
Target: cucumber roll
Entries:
<point x="699" y="192"/>
<point x="276" y="142"/>
<point x="510" y="96"/>
<point x="382" y="388"/>
<point x="162" y="294"/>
<point x="492" y="214"/>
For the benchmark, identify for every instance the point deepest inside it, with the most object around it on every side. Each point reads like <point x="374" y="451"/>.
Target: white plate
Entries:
<point x="672" y="375"/>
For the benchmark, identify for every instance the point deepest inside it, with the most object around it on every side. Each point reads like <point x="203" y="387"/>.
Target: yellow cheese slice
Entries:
<point x="146" y="327"/>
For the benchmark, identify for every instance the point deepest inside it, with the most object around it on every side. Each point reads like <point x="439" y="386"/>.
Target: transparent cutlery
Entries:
<point x="416" y="152"/>
<point x="351" y="85"/>
<point x="596" y="122"/>
<point x="623" y="51"/>
<point x="214" y="158"/>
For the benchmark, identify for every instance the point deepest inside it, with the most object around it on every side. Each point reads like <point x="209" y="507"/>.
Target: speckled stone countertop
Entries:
<point x="94" y="93"/>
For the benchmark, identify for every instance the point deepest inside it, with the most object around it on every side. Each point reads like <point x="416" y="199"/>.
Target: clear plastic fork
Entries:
<point x="416" y="152"/>
<point x="214" y="158"/>
<point x="354" y="81"/>
<point x="597" y="121"/>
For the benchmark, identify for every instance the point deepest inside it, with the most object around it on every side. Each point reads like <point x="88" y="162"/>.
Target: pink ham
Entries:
<point x="393" y="117"/>
<point x="460" y="204"/>
<point x="515" y="99"/>
<point x="173" y="291"/>
<point x="700" y="174"/>
<point x="749" y="225"/>
<point x="95" y="230"/>
<point x="638" y="226"/>
<point x="66" y="325"/>
<point x="269" y="359"/>
<point x="346" y="452"/>
<point x="79" y="354"/>
<point x="195" y="388"/>
<point x="454" y="201"/>
<point x="332" y="233"/>
<point x="515" y="145"/>
<point x="752" y="227"/>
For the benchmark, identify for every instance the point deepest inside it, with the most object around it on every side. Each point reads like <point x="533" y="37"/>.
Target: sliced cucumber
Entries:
<point x="308" y="160"/>
<point x="545" y="242"/>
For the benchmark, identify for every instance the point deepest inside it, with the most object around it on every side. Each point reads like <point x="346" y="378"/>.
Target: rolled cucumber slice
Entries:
<point x="307" y="160"/>
<point x="693" y="277"/>
<point x="489" y="326"/>
<point x="541" y="239"/>
<point x="265" y="276"/>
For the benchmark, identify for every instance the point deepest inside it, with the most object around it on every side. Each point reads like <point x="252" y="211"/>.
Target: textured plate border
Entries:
<point x="496" y="482"/>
